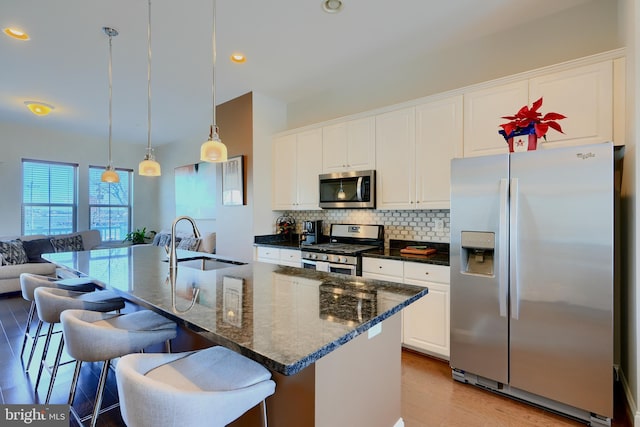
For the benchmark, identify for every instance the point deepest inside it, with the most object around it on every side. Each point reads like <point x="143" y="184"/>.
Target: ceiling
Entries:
<point x="294" y="50"/>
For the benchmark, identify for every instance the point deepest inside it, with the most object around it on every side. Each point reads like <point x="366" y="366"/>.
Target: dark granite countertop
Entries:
<point x="278" y="241"/>
<point x="441" y="257"/>
<point x="285" y="318"/>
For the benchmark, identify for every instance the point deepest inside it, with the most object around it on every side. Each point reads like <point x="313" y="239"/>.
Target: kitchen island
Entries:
<point x="331" y="341"/>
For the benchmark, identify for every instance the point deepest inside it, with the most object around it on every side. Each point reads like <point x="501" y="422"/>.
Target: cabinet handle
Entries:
<point x="379" y="266"/>
<point x="427" y="273"/>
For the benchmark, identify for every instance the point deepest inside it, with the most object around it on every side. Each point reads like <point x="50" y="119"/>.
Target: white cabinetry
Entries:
<point x="438" y="140"/>
<point x="585" y="96"/>
<point x="426" y="322"/>
<point x="414" y="148"/>
<point x="349" y="145"/>
<point x="297" y="162"/>
<point x="395" y="150"/>
<point x="583" y="93"/>
<point x="482" y="111"/>
<point x="282" y="256"/>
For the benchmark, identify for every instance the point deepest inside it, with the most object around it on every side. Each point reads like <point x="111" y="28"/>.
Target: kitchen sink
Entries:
<point x="207" y="263"/>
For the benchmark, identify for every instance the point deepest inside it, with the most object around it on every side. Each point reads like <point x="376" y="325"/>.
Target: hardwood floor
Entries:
<point x="429" y="396"/>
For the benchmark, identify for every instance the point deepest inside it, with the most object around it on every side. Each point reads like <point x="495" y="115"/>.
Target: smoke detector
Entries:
<point x="332" y="6"/>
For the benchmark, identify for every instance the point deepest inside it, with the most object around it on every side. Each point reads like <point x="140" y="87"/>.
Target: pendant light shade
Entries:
<point x="213" y="150"/>
<point x="148" y="166"/>
<point x="110" y="175"/>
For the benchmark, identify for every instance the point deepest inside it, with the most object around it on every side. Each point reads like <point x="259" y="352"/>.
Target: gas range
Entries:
<point x="343" y="254"/>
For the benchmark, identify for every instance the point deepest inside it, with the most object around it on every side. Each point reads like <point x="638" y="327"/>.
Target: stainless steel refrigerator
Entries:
<point x="532" y="245"/>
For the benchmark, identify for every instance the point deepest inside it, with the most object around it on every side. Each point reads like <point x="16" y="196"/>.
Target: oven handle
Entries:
<point x="359" y="189"/>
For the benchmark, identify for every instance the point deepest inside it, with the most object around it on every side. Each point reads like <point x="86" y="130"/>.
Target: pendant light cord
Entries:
<point x="149" y="83"/>
<point x="110" y="96"/>
<point x="213" y="72"/>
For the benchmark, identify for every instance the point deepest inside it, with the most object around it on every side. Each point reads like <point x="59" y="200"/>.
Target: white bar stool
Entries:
<point x="51" y="302"/>
<point x="93" y="337"/>
<point x="28" y="284"/>
<point x="210" y="387"/>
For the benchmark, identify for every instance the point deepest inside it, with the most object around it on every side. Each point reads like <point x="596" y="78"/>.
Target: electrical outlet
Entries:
<point x="439" y="222"/>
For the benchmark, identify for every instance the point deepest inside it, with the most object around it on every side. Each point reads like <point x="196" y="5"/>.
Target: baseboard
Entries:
<point x="631" y="403"/>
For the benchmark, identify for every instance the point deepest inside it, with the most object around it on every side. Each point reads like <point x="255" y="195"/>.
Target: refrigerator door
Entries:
<point x="561" y="264"/>
<point x="478" y="257"/>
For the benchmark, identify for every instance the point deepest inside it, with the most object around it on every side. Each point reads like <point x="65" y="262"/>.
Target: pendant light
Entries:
<point x="213" y="150"/>
<point x="110" y="175"/>
<point x="148" y="166"/>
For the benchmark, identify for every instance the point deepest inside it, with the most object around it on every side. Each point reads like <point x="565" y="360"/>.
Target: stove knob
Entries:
<point x="313" y="256"/>
<point x="342" y="259"/>
<point x="324" y="257"/>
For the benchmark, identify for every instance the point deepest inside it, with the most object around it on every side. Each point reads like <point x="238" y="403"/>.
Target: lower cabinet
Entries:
<point x="282" y="256"/>
<point x="425" y="323"/>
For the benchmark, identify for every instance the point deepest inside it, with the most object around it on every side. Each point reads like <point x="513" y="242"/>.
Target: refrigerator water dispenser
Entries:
<point x="477" y="252"/>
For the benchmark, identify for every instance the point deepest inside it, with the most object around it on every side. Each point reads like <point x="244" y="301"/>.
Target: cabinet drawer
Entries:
<point x="387" y="267"/>
<point x="426" y="272"/>
<point x="265" y="252"/>
<point x="290" y="255"/>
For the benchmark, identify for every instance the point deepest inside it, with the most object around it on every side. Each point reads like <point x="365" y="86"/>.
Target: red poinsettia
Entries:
<point x="530" y="116"/>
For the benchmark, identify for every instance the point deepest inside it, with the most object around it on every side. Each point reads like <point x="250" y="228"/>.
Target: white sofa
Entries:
<point x="10" y="274"/>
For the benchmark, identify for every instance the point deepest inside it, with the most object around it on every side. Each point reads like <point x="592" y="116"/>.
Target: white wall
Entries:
<point x="577" y="32"/>
<point x="21" y="141"/>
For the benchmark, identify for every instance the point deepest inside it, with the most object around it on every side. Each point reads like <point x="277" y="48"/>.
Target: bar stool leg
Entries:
<point x="35" y="342"/>
<point x="74" y="382"/>
<point x="27" y="329"/>
<point x="45" y="350"/>
<point x="54" y="372"/>
<point x="100" y="392"/>
<point x="263" y="404"/>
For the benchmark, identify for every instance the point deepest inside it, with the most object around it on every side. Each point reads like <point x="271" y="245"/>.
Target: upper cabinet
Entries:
<point x="349" y="146"/>
<point x="438" y="140"/>
<point x="395" y="151"/>
<point x="414" y="147"/>
<point x="482" y="111"/>
<point x="584" y="94"/>
<point x="297" y="162"/>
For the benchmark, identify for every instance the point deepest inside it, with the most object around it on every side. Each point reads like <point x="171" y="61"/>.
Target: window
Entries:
<point x="48" y="197"/>
<point x="110" y="204"/>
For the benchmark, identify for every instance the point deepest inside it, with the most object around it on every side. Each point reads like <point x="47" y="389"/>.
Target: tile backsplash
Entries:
<point x="417" y="225"/>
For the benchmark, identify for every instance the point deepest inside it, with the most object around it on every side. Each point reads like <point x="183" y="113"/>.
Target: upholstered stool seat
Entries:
<point x="210" y="387"/>
<point x="28" y="284"/>
<point x="51" y="302"/>
<point x="94" y="337"/>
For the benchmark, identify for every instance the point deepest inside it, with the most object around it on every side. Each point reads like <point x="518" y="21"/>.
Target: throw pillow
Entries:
<point x="13" y="252"/>
<point x="189" y="243"/>
<point x="35" y="248"/>
<point x="67" y="244"/>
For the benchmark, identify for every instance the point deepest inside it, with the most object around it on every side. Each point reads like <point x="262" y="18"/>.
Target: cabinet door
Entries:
<point x="309" y="162"/>
<point x="395" y="150"/>
<point x="290" y="257"/>
<point x="349" y="145"/>
<point x="426" y="321"/>
<point x="483" y="110"/>
<point x="438" y="140"/>
<point x="334" y="148"/>
<point x="585" y="96"/>
<point x="388" y="268"/>
<point x="284" y="172"/>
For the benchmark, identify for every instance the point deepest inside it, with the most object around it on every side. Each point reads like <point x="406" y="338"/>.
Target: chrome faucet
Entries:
<point x="173" y="261"/>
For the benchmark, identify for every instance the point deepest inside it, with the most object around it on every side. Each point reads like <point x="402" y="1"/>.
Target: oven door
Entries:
<point x="347" y="269"/>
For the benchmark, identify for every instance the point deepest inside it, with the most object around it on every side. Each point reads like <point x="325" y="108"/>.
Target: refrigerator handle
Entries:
<point x="503" y="274"/>
<point x="513" y="250"/>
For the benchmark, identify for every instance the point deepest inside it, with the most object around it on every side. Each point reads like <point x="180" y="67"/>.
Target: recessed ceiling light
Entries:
<point x="332" y="6"/>
<point x="16" y="34"/>
<point x="39" y="108"/>
<point x="238" y="58"/>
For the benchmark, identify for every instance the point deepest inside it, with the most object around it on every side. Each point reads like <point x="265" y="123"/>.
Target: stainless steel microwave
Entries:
<point x="348" y="190"/>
